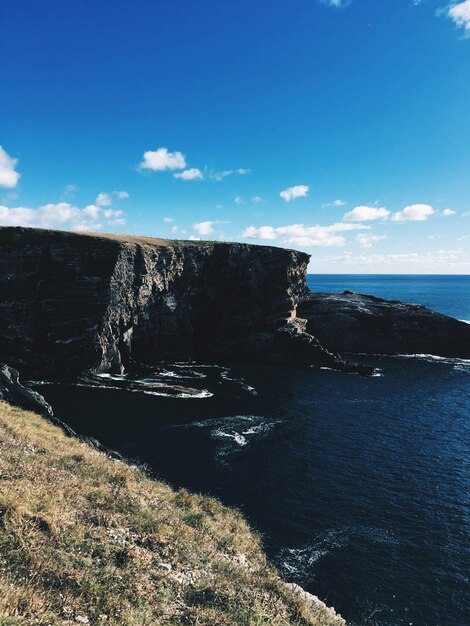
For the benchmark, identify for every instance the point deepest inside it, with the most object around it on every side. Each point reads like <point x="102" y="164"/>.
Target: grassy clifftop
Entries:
<point x="85" y="539"/>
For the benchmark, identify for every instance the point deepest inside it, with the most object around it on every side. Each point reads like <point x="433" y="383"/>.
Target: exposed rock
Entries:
<point x="75" y="302"/>
<point x="13" y="392"/>
<point x="351" y="322"/>
<point x="317" y="604"/>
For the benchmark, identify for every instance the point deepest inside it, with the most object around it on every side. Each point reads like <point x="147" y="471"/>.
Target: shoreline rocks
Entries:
<point x="349" y="322"/>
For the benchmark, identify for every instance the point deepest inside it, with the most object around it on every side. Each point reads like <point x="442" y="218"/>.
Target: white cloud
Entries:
<point x="460" y="14"/>
<point x="61" y="215"/>
<point x="193" y="238"/>
<point x="241" y="171"/>
<point x="160" y="159"/>
<point x="92" y="211"/>
<point x="121" y="195"/>
<point x="366" y="214"/>
<point x="336" y="3"/>
<point x="256" y="199"/>
<point x="263" y="232"/>
<point x="203" y="228"/>
<point x="366" y="241"/>
<point x="174" y="229"/>
<point x="238" y="200"/>
<point x="406" y="262"/>
<point x="114" y="217"/>
<point x="291" y="193"/>
<point x="304" y="236"/>
<point x="103" y="199"/>
<point x="70" y="189"/>
<point x="414" y="213"/>
<point x="448" y="212"/>
<point x="337" y="202"/>
<point x="8" y="176"/>
<point x="190" y="174"/>
<point x="168" y="219"/>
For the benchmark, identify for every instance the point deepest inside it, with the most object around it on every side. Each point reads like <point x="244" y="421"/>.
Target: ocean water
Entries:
<point x="359" y="486"/>
<point x="444" y="293"/>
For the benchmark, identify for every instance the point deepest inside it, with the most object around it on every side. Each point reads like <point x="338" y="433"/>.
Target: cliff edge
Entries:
<point x="75" y="302"/>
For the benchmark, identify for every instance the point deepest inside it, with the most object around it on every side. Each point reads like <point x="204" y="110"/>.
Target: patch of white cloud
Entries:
<point x="61" y="215"/>
<point x="161" y="159"/>
<point x="121" y="195"/>
<point x="193" y="238"/>
<point x="367" y="241"/>
<point x="218" y="176"/>
<point x="190" y="174"/>
<point x="366" y="214"/>
<point x="304" y="236"/>
<point x="103" y="199"/>
<point x="256" y="199"/>
<point x="335" y="203"/>
<point x="338" y="4"/>
<point x="203" y="228"/>
<point x="460" y="13"/>
<point x="448" y="212"/>
<point x="297" y="191"/>
<point x="9" y="177"/>
<point x="414" y="213"/>
<point x="408" y="262"/>
<point x="168" y="219"/>
<point x="238" y="200"/>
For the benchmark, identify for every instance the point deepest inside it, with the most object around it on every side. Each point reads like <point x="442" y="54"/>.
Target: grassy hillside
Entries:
<point x="88" y="540"/>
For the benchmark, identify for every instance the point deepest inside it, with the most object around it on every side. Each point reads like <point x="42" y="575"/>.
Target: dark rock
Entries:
<point x="356" y="323"/>
<point x="77" y="302"/>
<point x="13" y="392"/>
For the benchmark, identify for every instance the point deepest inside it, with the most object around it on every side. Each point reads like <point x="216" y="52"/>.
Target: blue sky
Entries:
<point x="338" y="128"/>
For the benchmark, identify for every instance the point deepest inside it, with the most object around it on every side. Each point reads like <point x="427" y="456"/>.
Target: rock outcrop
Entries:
<point x="13" y="392"/>
<point x="79" y="302"/>
<point x="356" y="323"/>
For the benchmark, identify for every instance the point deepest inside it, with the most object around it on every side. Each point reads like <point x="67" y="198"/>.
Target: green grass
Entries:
<point x="86" y="539"/>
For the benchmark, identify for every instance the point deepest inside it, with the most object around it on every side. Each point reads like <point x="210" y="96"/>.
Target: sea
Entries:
<point x="358" y="486"/>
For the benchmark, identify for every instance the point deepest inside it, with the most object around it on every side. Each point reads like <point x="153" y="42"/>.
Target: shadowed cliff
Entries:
<point x="75" y="302"/>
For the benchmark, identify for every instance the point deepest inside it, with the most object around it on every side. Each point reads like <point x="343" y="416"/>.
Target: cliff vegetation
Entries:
<point x="85" y="539"/>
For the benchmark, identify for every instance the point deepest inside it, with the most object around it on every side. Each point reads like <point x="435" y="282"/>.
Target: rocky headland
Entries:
<point x="79" y="304"/>
<point x="355" y="323"/>
<point x="76" y="302"/>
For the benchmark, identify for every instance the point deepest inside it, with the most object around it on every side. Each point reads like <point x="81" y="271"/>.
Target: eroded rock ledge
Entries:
<point x="75" y="302"/>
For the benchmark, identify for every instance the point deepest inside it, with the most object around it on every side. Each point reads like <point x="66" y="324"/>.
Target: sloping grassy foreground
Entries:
<point x="85" y="539"/>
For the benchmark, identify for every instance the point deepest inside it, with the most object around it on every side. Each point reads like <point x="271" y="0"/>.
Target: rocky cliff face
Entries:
<point x="72" y="302"/>
<point x="351" y="322"/>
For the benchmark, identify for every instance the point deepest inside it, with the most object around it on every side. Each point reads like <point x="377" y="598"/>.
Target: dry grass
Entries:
<point x="85" y="539"/>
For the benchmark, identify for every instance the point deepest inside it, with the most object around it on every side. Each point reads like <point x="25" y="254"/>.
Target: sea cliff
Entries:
<point x="75" y="302"/>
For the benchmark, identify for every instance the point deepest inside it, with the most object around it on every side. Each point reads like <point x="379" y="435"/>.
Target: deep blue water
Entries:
<point x="444" y="293"/>
<point x="360" y="486"/>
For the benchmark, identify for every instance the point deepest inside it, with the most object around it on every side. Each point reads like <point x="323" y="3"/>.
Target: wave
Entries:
<point x="433" y="357"/>
<point x="204" y="393"/>
<point x="297" y="563"/>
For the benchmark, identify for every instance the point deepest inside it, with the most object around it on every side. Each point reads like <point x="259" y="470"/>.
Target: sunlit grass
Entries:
<point x="86" y="539"/>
